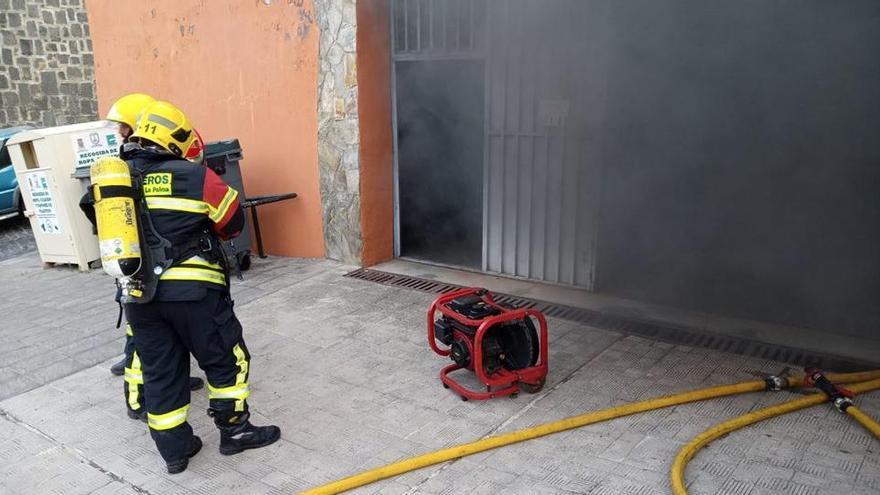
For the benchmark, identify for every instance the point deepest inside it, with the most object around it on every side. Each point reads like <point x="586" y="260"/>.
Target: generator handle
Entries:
<point x="507" y="315"/>
<point x="542" y="323"/>
<point x="433" y="310"/>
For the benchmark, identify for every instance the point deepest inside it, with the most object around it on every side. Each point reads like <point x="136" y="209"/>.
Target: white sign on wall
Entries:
<point x="44" y="205"/>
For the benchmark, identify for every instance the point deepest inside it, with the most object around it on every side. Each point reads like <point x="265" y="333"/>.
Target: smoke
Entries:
<point x="439" y="133"/>
<point x="712" y="155"/>
<point x="738" y="158"/>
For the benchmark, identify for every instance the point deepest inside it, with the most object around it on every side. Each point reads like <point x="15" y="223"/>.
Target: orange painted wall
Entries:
<point x="374" y="112"/>
<point x="239" y="69"/>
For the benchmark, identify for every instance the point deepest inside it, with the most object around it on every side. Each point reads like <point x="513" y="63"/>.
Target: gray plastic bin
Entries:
<point x="224" y="158"/>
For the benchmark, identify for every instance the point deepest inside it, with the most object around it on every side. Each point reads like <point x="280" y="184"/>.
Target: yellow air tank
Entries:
<point x="116" y="215"/>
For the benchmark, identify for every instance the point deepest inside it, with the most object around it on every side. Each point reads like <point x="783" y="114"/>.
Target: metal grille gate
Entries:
<point x="431" y="29"/>
<point x="540" y="199"/>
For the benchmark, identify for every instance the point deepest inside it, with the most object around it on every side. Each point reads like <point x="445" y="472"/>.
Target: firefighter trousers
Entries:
<point x="167" y="333"/>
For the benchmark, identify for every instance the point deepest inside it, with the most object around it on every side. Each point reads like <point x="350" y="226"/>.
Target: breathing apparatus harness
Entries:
<point x="163" y="252"/>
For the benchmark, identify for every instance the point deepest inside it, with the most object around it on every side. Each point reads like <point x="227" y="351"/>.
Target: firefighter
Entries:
<point x="125" y="112"/>
<point x="191" y="312"/>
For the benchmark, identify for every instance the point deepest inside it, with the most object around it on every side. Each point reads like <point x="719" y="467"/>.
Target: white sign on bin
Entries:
<point x="90" y="145"/>
<point x="44" y="205"/>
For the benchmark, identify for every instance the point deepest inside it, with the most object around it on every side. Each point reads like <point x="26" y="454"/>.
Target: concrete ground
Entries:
<point x="15" y="237"/>
<point x="343" y="366"/>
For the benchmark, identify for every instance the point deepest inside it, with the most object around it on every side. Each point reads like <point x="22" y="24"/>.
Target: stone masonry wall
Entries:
<point x="46" y="64"/>
<point x="338" y="136"/>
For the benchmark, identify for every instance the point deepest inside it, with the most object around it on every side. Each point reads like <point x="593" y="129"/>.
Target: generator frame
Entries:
<point x="502" y="382"/>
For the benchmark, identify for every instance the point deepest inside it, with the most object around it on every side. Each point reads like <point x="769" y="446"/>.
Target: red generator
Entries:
<point x="498" y="343"/>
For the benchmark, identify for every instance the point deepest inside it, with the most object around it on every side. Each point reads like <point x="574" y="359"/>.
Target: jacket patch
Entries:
<point x="157" y="184"/>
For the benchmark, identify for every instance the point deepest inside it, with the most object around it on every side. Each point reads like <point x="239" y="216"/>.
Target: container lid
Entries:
<point x="34" y="134"/>
<point x="224" y="147"/>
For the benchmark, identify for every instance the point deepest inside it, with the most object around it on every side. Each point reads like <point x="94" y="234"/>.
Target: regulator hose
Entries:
<point x="493" y="442"/>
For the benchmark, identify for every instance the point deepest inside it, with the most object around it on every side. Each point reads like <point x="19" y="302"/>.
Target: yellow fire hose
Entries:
<point x="494" y="442"/>
<point x="864" y="420"/>
<point x="691" y="448"/>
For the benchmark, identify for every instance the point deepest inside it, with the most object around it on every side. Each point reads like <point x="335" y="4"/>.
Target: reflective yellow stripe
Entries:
<point x="240" y="391"/>
<point x="196" y="274"/>
<point x="178" y="204"/>
<point x="133" y="376"/>
<point x="133" y="389"/>
<point x="234" y="392"/>
<point x="128" y="330"/>
<point x="241" y="377"/>
<point x="198" y="260"/>
<point x="217" y="214"/>
<point x="242" y="362"/>
<point x="133" y="394"/>
<point x="168" y="420"/>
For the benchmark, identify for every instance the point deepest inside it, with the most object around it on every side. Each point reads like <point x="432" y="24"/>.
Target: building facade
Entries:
<point x="717" y="157"/>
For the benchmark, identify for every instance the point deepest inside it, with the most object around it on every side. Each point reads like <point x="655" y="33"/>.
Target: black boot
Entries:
<point x="243" y="436"/>
<point x="174" y="467"/>
<point x="138" y="415"/>
<point x="118" y="369"/>
<point x="196" y="383"/>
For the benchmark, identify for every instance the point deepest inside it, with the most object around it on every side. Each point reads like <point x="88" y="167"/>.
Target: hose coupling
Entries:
<point x="816" y="378"/>
<point x="842" y="403"/>
<point x="812" y="376"/>
<point x="776" y="383"/>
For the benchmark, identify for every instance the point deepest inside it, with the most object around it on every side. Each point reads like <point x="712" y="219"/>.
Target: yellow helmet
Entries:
<point x="166" y="125"/>
<point x="126" y="109"/>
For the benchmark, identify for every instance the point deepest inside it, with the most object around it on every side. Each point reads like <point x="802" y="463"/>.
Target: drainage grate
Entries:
<point x="654" y="330"/>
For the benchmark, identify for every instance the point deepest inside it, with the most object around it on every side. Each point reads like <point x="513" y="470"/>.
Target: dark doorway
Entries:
<point x="440" y="160"/>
